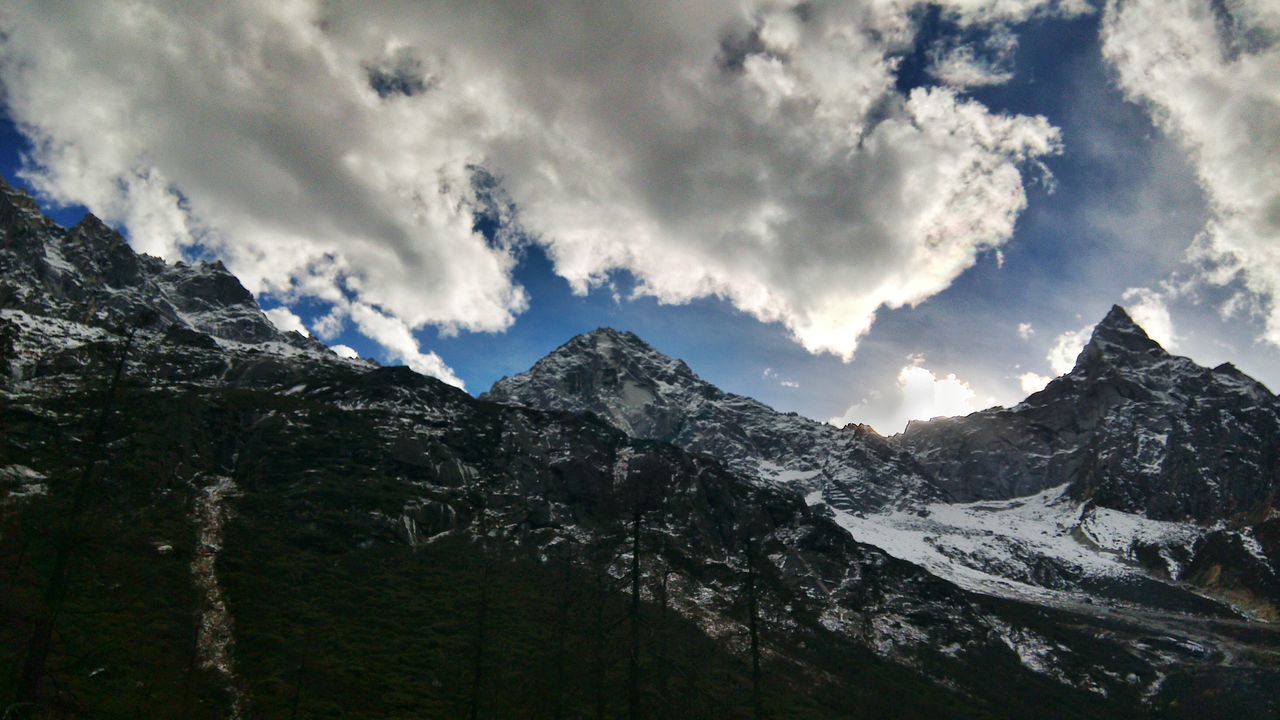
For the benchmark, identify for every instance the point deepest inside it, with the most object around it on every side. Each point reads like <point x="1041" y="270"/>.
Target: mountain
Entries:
<point x="1131" y="428"/>
<point x="1190" y="454"/>
<point x="644" y="393"/>
<point x="1129" y="478"/>
<point x="295" y="534"/>
<point x="1140" y="482"/>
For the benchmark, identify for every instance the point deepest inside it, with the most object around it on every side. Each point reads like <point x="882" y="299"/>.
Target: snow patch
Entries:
<point x="1000" y="547"/>
<point x="29" y="482"/>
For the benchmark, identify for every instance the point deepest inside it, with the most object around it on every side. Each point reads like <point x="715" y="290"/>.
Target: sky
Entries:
<point x="869" y="211"/>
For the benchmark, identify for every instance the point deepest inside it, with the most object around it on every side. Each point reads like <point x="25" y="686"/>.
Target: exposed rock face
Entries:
<point x="646" y="394"/>
<point x="89" y="274"/>
<point x="1131" y="427"/>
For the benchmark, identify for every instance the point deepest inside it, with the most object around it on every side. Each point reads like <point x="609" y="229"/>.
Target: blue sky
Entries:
<point x="764" y="282"/>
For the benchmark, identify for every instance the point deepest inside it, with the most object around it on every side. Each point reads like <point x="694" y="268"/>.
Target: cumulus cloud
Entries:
<point x="1150" y="311"/>
<point x="1032" y="382"/>
<point x="1066" y="348"/>
<point x="1210" y="75"/>
<point x="760" y="153"/>
<point x="1025" y="331"/>
<point x="394" y="335"/>
<point x="344" y="351"/>
<point x="965" y="65"/>
<point x="979" y="12"/>
<point x="920" y="395"/>
<point x="285" y="320"/>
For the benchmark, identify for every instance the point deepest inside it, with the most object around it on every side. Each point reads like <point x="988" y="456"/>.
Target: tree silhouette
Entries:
<point x="38" y="647"/>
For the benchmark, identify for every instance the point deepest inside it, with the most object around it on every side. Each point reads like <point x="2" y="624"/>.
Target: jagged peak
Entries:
<point x="617" y="353"/>
<point x="96" y="236"/>
<point x="1118" y="321"/>
<point x="92" y="223"/>
<point x="608" y="335"/>
<point x="1118" y="337"/>
<point x="18" y="196"/>
<point x="613" y="346"/>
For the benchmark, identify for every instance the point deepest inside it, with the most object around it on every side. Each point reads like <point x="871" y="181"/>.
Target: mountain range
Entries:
<point x="202" y="516"/>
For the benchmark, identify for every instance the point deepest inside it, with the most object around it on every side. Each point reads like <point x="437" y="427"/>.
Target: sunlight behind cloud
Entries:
<point x="920" y="394"/>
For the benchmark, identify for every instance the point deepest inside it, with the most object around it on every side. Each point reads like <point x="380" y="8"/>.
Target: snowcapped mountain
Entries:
<point x="67" y="296"/>
<point x="644" y="393"/>
<point x="282" y="509"/>
<point x="1148" y="456"/>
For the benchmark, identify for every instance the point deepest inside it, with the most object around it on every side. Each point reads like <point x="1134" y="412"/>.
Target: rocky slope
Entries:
<point x="301" y="535"/>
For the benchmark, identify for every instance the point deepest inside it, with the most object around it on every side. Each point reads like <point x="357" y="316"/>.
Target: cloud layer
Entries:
<point x="1210" y="74"/>
<point x="761" y="154"/>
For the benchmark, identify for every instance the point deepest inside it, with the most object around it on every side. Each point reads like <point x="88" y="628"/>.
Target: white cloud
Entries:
<point x="330" y="325"/>
<point x="771" y="374"/>
<point x="1210" y="74"/>
<point x="1025" y="331"/>
<point x="1149" y="310"/>
<point x="970" y="12"/>
<point x="1032" y="382"/>
<point x="393" y="334"/>
<point x="920" y="395"/>
<point x="756" y="152"/>
<point x="1066" y="348"/>
<point x="285" y="320"/>
<point x="967" y="65"/>
<point x="344" y="351"/>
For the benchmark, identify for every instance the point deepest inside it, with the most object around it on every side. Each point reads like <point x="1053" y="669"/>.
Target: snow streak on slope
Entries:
<point x="1046" y="547"/>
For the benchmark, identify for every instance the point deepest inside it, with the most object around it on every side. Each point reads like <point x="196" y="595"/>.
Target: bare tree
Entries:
<point x="37" y="653"/>
<point x="662" y="651"/>
<point x="637" y="516"/>
<point x="753" y="625"/>
<point x="563" y="604"/>
<point x="480" y="638"/>
<point x="646" y="477"/>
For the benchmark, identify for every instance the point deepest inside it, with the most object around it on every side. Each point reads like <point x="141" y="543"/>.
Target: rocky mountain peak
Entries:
<point x="13" y="198"/>
<point x="1118" y="341"/>
<point x="1131" y="428"/>
<point x="47" y="271"/>
<point x="613" y="374"/>
<point x="647" y="394"/>
<point x="625" y="350"/>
